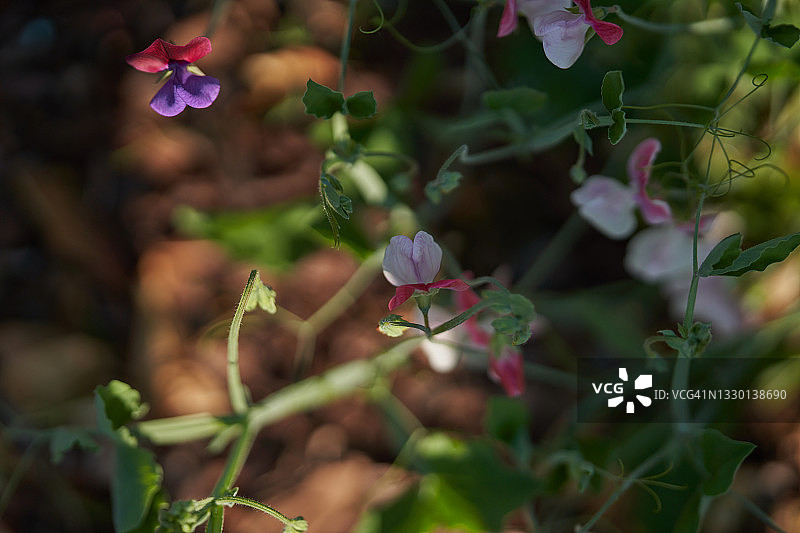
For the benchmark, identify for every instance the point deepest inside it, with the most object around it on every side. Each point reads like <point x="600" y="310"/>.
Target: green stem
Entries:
<point x="336" y="383"/>
<point x="233" y="466"/>
<point x="344" y="52"/>
<point x="236" y="390"/>
<point x="255" y="505"/>
<point x="323" y="317"/>
<point x="635" y="475"/>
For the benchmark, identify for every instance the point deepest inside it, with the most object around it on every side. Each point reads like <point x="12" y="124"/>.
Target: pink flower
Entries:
<point x="412" y="266"/>
<point x="507" y="369"/>
<point x="609" y="205"/>
<point x="186" y="85"/>
<point x="563" y="33"/>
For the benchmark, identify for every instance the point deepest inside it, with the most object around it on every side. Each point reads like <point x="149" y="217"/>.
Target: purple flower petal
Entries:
<point x="198" y="91"/>
<point x="166" y="102"/>
<point x="427" y="257"/>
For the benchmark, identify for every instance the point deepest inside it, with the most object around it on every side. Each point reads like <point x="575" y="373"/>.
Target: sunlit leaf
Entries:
<point x="121" y="403"/>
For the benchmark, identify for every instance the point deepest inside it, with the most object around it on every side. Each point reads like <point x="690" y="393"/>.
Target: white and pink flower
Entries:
<point x="563" y="33"/>
<point x="411" y="266"/>
<point x="609" y="205"/>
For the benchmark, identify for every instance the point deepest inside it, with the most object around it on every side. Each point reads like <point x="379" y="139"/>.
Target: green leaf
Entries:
<point x="121" y="403"/>
<point x="722" y="457"/>
<point x="520" y="99"/>
<point x="465" y="486"/>
<point x="64" y="439"/>
<point x="444" y="183"/>
<point x="330" y="189"/>
<point x="752" y="20"/>
<point x="611" y="90"/>
<point x="618" y="127"/>
<point x="755" y="258"/>
<point x="722" y="255"/>
<point x="262" y="296"/>
<point x="506" y="417"/>
<point x="361" y="105"/>
<point x="783" y="34"/>
<point x="321" y="101"/>
<point x="136" y="481"/>
<point x="588" y="119"/>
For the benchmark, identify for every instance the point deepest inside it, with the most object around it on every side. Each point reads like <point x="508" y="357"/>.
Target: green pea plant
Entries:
<point x="512" y="115"/>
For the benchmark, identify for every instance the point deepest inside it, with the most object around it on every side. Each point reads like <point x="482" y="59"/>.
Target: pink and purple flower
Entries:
<point x="609" y="205"/>
<point x="411" y="266"/>
<point x="186" y="84"/>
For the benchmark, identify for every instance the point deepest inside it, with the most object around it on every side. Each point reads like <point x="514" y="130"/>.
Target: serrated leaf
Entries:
<point x="121" y="403"/>
<point x="321" y="101"/>
<point x="137" y="480"/>
<point x="722" y="457"/>
<point x="520" y="99"/>
<point x="64" y="439"/>
<point x="361" y="105"/>
<point x="783" y="34"/>
<point x="618" y="127"/>
<point x="722" y="255"/>
<point x="758" y="257"/>
<point x="611" y="90"/>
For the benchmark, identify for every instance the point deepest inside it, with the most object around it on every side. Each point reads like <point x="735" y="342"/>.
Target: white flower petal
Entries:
<point x="607" y="205"/>
<point x="398" y="267"/>
<point x="533" y="9"/>
<point x="660" y="253"/>
<point x="562" y="34"/>
<point x="427" y="257"/>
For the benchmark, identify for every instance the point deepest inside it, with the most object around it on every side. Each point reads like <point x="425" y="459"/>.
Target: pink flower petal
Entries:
<point x="639" y="165"/>
<point x="190" y="52"/>
<point x="452" y="284"/>
<point x="154" y="58"/>
<point x="641" y="161"/>
<point x="403" y="293"/>
<point x="608" y="32"/>
<point x="508" y="371"/>
<point x="508" y="22"/>
<point x="653" y="211"/>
